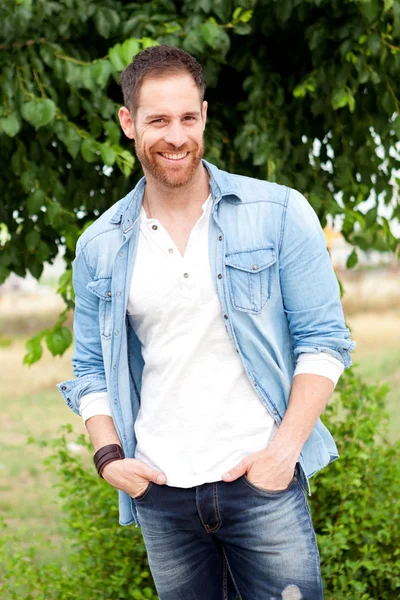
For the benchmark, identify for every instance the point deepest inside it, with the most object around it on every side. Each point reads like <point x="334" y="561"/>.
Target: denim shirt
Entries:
<point x="274" y="279"/>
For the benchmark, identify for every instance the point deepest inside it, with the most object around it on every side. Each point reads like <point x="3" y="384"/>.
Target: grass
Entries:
<point x="31" y="405"/>
<point x="377" y="356"/>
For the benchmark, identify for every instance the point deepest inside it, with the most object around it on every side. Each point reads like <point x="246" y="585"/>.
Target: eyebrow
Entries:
<point x="164" y="116"/>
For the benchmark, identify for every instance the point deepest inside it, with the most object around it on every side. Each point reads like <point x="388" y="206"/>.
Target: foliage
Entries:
<point x="103" y="561"/>
<point x="356" y="504"/>
<point x="304" y="92"/>
<point x="355" y="507"/>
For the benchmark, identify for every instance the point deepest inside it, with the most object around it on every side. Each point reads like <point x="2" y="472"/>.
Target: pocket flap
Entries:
<point x="101" y="288"/>
<point x="252" y="261"/>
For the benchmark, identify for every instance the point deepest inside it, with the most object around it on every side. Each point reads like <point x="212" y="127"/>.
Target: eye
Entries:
<point x="189" y="118"/>
<point x="159" y="121"/>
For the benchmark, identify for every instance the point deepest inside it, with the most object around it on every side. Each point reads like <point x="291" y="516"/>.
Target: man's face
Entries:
<point x="168" y="129"/>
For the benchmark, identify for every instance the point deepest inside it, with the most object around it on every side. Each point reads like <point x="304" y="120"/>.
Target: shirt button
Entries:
<point x="63" y="387"/>
<point x="186" y="275"/>
<point x="154" y="227"/>
<point x="116" y="332"/>
<point x="225" y="316"/>
<point x="122" y="254"/>
<point x="255" y="383"/>
<point x="275" y="412"/>
<point x="255" y="267"/>
<point x="220" y="238"/>
<point x="118" y="293"/>
<point x="219" y="276"/>
<point x="170" y="250"/>
<point x="115" y="401"/>
<point x="109" y="293"/>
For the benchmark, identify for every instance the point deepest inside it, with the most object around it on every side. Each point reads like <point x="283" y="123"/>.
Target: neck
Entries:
<point x="179" y="199"/>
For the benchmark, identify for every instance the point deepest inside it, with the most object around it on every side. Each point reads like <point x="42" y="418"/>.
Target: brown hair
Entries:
<point x="158" y="61"/>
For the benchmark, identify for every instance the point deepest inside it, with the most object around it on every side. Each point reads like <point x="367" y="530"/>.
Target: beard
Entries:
<point x="170" y="175"/>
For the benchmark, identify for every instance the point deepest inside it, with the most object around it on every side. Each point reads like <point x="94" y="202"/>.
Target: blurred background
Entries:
<point x="305" y="93"/>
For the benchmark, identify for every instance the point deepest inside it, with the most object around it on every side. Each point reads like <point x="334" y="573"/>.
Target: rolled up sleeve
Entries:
<point x="310" y="289"/>
<point x="87" y="360"/>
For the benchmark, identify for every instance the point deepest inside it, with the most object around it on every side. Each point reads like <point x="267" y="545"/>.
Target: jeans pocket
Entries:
<point x="269" y="493"/>
<point x="144" y="494"/>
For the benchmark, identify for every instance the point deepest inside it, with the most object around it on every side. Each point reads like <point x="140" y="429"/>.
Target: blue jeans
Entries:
<point x="222" y="541"/>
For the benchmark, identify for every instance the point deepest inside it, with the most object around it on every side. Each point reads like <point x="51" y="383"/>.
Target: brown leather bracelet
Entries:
<point x="107" y="454"/>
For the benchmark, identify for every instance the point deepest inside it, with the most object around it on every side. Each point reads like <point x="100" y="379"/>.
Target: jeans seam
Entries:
<point x="225" y="580"/>
<point x="314" y="536"/>
<point x="219" y="521"/>
<point x="231" y="574"/>
<point x="199" y="511"/>
<point x="217" y="504"/>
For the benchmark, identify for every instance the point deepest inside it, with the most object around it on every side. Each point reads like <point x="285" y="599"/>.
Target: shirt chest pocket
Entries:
<point x="102" y="289"/>
<point x="249" y="277"/>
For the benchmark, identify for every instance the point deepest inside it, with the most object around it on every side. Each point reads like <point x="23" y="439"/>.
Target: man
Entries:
<point x="209" y="336"/>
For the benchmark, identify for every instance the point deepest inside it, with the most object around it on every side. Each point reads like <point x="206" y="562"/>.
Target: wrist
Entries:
<point x="106" y="455"/>
<point x="283" y="452"/>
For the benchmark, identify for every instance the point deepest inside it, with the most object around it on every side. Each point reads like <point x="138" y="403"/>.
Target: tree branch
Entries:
<point x="22" y="44"/>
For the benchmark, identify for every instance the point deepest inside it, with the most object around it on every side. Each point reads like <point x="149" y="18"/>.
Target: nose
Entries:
<point x="176" y="134"/>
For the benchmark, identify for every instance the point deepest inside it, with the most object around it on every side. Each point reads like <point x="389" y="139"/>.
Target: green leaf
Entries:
<point x="53" y="210"/>
<point x="194" y="42"/>
<point x="236" y="13"/>
<point x="352" y="260"/>
<point x="113" y="132"/>
<point x="58" y="340"/>
<point x="129" y="50"/>
<point x="89" y="150"/>
<point x="243" y="28"/>
<point x="28" y="179"/>
<point x="11" y="124"/>
<point x="115" y="57"/>
<point x="106" y="21"/>
<point x="32" y="240"/>
<point x="72" y="141"/>
<point x="343" y="97"/>
<point x="370" y="9"/>
<point x="107" y="154"/>
<point x="4" y="273"/>
<point x="121" y="55"/>
<point x="39" y="112"/>
<point x="374" y="43"/>
<point x="223" y="9"/>
<point x="34" y="350"/>
<point x="35" y="202"/>
<point x="125" y="161"/>
<point x="101" y="71"/>
<point x="246" y="16"/>
<point x="69" y="136"/>
<point x="211" y="33"/>
<point x="388" y="103"/>
<point x="148" y="43"/>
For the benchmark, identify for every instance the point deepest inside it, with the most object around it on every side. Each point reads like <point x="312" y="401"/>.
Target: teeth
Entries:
<point x="174" y="156"/>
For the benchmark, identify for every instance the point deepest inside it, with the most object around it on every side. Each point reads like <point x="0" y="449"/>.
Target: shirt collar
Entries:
<point x="222" y="184"/>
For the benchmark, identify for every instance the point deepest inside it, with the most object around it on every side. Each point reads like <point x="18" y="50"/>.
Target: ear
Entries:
<point x="204" y="112"/>
<point x="126" y="122"/>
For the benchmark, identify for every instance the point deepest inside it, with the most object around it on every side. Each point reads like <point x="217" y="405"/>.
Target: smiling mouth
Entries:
<point x="176" y="156"/>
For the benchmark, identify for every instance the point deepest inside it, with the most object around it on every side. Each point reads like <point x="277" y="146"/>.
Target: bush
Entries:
<point x="102" y="560"/>
<point x="355" y="508"/>
<point x="356" y="501"/>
